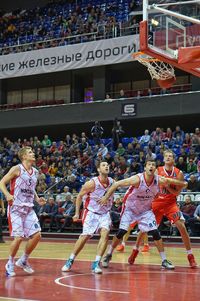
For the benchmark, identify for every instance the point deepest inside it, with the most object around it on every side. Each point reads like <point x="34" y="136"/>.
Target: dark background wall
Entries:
<point x="11" y="5"/>
<point x="163" y="111"/>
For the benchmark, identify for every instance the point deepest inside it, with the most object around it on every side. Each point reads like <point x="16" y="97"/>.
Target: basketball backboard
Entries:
<point x="170" y="31"/>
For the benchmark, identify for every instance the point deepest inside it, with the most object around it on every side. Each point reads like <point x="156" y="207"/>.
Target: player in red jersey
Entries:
<point x="165" y="204"/>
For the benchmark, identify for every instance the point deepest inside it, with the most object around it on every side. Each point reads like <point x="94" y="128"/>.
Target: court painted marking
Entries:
<point x="16" y="299"/>
<point x="59" y="280"/>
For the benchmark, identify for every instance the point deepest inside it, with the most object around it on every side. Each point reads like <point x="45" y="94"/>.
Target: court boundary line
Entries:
<point x="115" y="262"/>
<point x="17" y="299"/>
<point x="57" y="280"/>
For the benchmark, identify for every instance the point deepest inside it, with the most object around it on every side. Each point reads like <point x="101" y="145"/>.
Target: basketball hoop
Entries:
<point x="161" y="71"/>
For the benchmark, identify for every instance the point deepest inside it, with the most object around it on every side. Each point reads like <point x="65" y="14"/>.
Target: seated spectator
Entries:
<point x="179" y="132"/>
<point x="145" y="138"/>
<point x="191" y="166"/>
<point x="194" y="223"/>
<point x="103" y="150"/>
<point x="83" y="146"/>
<point x="157" y="136"/>
<point x="187" y="142"/>
<point x="48" y="211"/>
<point x="134" y="168"/>
<point x="108" y="98"/>
<point x="121" y="94"/>
<point x="46" y="142"/>
<point x="67" y="214"/>
<point x="53" y="169"/>
<point x="150" y="155"/>
<point x="168" y="135"/>
<point x="181" y="164"/>
<point x="193" y="184"/>
<point x="120" y="150"/>
<point x="115" y="212"/>
<point x="63" y="196"/>
<point x="188" y="208"/>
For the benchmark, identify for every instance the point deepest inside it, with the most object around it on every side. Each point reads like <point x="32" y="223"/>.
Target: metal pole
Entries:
<point x="179" y="16"/>
<point x="179" y="3"/>
<point x="145" y="9"/>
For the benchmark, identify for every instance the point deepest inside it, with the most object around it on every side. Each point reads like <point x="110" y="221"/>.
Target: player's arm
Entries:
<point x="132" y="181"/>
<point x="86" y="188"/>
<point x="179" y="183"/>
<point x="13" y="173"/>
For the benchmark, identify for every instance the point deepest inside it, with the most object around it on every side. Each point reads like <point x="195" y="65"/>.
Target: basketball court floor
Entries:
<point x="143" y="281"/>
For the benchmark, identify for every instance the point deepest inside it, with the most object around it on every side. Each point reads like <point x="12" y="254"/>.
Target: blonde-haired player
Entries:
<point x="22" y="219"/>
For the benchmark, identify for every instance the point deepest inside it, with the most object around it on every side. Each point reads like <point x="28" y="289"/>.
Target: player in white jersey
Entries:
<point x="142" y="191"/>
<point x="95" y="217"/>
<point x="22" y="219"/>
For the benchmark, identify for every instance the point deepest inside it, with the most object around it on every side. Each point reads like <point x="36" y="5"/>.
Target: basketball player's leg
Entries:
<point x="147" y="224"/>
<point x="90" y="226"/>
<point x="15" y="221"/>
<point x="32" y="230"/>
<point x="174" y="215"/>
<point x="103" y="242"/>
<point x="126" y="219"/>
<point x="146" y="243"/>
<point x="32" y="243"/>
<point x="121" y="246"/>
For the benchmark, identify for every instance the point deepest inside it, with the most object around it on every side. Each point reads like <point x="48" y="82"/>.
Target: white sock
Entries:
<point x="123" y="243"/>
<point x="11" y="259"/>
<point x="98" y="258"/>
<point x="72" y="256"/>
<point x="24" y="257"/>
<point x="136" y="248"/>
<point x="189" y="251"/>
<point x="110" y="250"/>
<point x="163" y="255"/>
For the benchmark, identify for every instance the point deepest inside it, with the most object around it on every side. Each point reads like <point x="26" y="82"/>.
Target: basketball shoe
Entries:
<point x="192" y="261"/>
<point x="106" y="260"/>
<point x="96" y="268"/>
<point x="120" y="248"/>
<point x="166" y="264"/>
<point x="10" y="269"/>
<point x="145" y="248"/>
<point x="132" y="257"/>
<point x="24" y="265"/>
<point x="68" y="265"/>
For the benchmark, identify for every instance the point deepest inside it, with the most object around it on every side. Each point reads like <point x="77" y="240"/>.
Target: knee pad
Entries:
<point x="155" y="234"/>
<point x="121" y="233"/>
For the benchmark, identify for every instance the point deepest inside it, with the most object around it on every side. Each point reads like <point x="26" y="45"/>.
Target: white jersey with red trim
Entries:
<point x="91" y="202"/>
<point x="23" y="187"/>
<point x="139" y="200"/>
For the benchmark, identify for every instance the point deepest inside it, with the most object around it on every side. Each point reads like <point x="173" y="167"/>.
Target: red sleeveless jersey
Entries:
<point x="163" y="192"/>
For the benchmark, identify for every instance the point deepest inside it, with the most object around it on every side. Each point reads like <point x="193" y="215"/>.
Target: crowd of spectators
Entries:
<point x="65" y="165"/>
<point x="57" y="21"/>
<point x="64" y="22"/>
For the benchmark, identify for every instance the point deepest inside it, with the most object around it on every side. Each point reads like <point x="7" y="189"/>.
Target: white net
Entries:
<point x="157" y="69"/>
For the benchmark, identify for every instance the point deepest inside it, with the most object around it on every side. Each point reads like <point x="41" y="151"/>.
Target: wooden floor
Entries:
<point x="144" y="281"/>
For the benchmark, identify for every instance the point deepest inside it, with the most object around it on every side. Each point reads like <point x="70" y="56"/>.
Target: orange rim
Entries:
<point x="138" y="55"/>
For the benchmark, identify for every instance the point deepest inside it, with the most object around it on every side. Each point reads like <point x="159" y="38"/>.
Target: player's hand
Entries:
<point x="185" y="184"/>
<point x="41" y="201"/>
<point x="75" y="217"/>
<point x="103" y="201"/>
<point x="9" y="199"/>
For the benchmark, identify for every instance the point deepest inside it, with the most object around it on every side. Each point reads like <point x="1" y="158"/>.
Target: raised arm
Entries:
<point x="179" y="183"/>
<point x="86" y="188"/>
<point x="13" y="173"/>
<point x="132" y="181"/>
